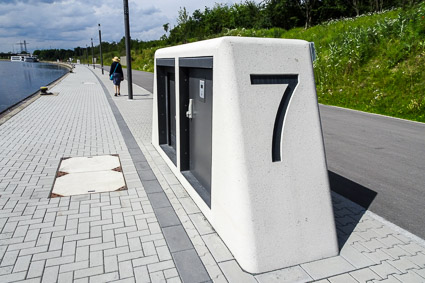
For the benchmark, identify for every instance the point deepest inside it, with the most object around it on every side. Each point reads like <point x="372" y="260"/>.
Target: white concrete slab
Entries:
<point x="89" y="164"/>
<point x="88" y="182"/>
<point x="84" y="175"/>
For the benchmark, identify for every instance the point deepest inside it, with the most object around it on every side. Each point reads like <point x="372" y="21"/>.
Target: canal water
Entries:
<point x="18" y="80"/>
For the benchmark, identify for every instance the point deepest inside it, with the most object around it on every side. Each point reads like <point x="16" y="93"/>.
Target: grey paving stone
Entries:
<point x="163" y="265"/>
<point x="170" y="273"/>
<point x="420" y="272"/>
<point x="141" y="165"/>
<point x="167" y="217"/>
<point x="66" y="277"/>
<point x="355" y="257"/>
<point x="364" y="275"/>
<point x="21" y="246"/>
<point x="159" y="200"/>
<point x="137" y="156"/>
<point x="13" y="277"/>
<point x="63" y="232"/>
<point x="384" y="269"/>
<point x="32" y="280"/>
<point x="154" y="228"/>
<point x="152" y="187"/>
<point x="418" y="259"/>
<point x="291" y="274"/>
<point x="121" y="240"/>
<point x="145" y="260"/>
<point x="134" y="244"/>
<point x="9" y="258"/>
<point x="175" y="280"/>
<point x="189" y="205"/>
<point x="218" y="249"/>
<point x="20" y="231"/>
<point x="390" y="279"/>
<point x="201" y="224"/>
<point x="141" y="274"/>
<point x="56" y="244"/>
<point x="163" y="253"/>
<point x="403" y="264"/>
<point x="131" y="255"/>
<point x="111" y="264"/>
<point x="343" y="278"/>
<point x="412" y="248"/>
<point x="409" y="277"/>
<point x="125" y="230"/>
<point x="46" y="255"/>
<point x="6" y="270"/>
<point x="116" y="251"/>
<point x="125" y="269"/>
<point x="146" y="175"/>
<point x="22" y="263"/>
<point x="33" y="251"/>
<point x="59" y="260"/>
<point x="102" y="246"/>
<point x="129" y="220"/>
<point x="89" y="242"/>
<point x="86" y="272"/>
<point x="74" y="266"/>
<point x="149" y="248"/>
<point x="50" y="274"/>
<point x="36" y="269"/>
<point x="96" y="258"/>
<point x="378" y="256"/>
<point x="142" y="224"/>
<point x="77" y="237"/>
<point x="107" y="277"/>
<point x="190" y="266"/>
<point x="177" y="238"/>
<point x="327" y="267"/>
<point x="157" y="277"/>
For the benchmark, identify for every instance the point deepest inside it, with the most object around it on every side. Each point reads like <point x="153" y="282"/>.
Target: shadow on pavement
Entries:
<point x="351" y="190"/>
<point x="348" y="215"/>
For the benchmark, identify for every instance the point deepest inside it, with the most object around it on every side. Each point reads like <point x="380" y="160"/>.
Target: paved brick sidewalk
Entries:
<point x="98" y="237"/>
<point x="117" y="236"/>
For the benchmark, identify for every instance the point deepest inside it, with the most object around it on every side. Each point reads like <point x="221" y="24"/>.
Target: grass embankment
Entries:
<point x="372" y="63"/>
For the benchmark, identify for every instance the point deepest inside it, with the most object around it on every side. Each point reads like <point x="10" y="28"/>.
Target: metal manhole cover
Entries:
<point x="85" y="175"/>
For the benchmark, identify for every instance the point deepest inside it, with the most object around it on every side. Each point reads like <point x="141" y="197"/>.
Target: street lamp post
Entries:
<point x="92" y="54"/>
<point x="87" y="55"/>
<point x="127" y="48"/>
<point x="100" y="49"/>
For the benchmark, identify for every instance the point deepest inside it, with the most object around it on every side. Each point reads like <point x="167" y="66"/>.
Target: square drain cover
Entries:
<point x="85" y="175"/>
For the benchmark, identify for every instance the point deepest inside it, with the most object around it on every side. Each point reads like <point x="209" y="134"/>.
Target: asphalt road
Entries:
<point x="376" y="161"/>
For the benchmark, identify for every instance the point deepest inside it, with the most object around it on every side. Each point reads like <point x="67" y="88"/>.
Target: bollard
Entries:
<point x="43" y="90"/>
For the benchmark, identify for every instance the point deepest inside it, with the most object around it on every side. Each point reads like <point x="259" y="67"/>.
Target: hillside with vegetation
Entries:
<point x="371" y="59"/>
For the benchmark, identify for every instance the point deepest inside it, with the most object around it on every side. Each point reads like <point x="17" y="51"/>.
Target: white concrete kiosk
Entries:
<point x="237" y="121"/>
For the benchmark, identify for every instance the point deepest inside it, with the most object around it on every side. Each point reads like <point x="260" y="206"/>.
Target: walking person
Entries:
<point x="116" y="74"/>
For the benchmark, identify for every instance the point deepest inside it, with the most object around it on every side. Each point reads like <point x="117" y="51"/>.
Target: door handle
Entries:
<point x="189" y="112"/>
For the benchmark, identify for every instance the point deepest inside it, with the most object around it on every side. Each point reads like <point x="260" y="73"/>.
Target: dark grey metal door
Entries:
<point x="166" y="95"/>
<point x="200" y="126"/>
<point x="171" y="99"/>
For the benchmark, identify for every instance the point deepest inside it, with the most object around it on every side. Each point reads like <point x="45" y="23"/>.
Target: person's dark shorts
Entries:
<point x="117" y="78"/>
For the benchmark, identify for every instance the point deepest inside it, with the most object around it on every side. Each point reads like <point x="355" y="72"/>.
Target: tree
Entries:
<point x="182" y="21"/>
<point x="283" y="13"/>
<point x="307" y="7"/>
<point x="166" y="26"/>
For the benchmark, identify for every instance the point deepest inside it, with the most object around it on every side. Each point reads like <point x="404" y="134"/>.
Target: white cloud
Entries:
<point x="71" y="23"/>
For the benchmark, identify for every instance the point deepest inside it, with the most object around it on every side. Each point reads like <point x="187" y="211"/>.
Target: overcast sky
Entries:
<point x="67" y="24"/>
